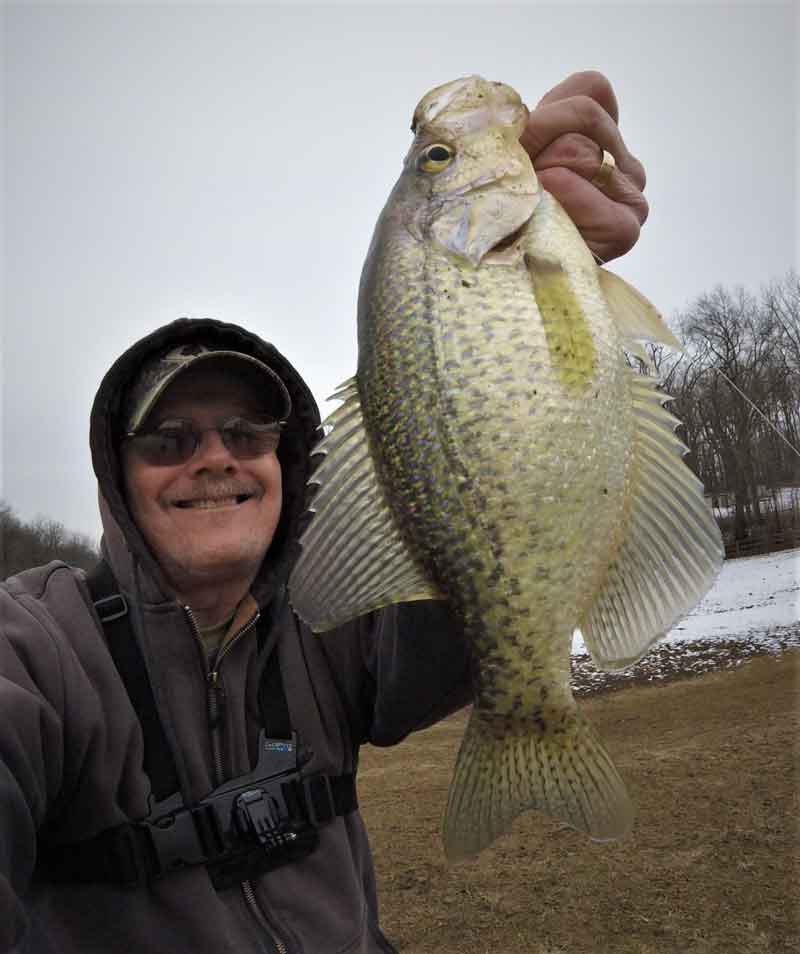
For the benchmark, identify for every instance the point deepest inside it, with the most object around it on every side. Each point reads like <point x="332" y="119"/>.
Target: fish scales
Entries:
<point x="495" y="450"/>
<point x="494" y="433"/>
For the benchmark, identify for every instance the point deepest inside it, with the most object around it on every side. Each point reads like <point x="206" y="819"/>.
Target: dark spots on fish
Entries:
<point x="528" y="651"/>
<point x="496" y="575"/>
<point x="605" y="491"/>
<point x="538" y="719"/>
<point x="560" y="728"/>
<point x="544" y="692"/>
<point x="465" y="283"/>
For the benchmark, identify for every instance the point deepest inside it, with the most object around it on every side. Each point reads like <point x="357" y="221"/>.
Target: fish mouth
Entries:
<point x="212" y="503"/>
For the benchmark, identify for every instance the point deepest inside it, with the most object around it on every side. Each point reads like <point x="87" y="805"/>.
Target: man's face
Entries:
<point x="212" y="518"/>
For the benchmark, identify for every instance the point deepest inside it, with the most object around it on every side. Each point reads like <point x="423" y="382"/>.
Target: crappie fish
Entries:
<point x="496" y="449"/>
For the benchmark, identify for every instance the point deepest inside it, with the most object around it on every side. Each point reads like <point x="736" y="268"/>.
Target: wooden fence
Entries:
<point x="767" y="541"/>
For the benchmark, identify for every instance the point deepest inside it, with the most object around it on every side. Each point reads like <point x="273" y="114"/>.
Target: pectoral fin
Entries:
<point x="353" y="559"/>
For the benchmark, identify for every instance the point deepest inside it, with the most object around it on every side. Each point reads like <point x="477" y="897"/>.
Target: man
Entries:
<point x="177" y="751"/>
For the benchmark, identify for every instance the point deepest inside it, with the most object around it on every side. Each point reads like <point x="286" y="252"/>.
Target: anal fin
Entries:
<point x="353" y="558"/>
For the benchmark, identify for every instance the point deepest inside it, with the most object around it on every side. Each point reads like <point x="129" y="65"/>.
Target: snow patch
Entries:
<point x="752" y="608"/>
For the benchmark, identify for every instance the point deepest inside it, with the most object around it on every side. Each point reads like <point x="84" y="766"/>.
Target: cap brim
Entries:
<point x="146" y="406"/>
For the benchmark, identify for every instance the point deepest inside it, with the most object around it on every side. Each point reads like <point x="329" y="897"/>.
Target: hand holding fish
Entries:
<point x="566" y="136"/>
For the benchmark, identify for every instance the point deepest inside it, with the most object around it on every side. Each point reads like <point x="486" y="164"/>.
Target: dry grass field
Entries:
<point x="712" y="864"/>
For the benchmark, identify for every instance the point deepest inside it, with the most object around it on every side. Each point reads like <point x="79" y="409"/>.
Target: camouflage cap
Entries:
<point x="159" y="372"/>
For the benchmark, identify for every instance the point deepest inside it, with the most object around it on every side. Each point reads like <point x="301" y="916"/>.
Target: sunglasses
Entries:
<point x="175" y="441"/>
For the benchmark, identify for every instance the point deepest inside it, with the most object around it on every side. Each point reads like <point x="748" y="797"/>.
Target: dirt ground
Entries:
<point x="712" y="864"/>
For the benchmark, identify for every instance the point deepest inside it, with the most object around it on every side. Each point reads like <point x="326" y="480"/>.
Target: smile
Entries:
<point x="212" y="503"/>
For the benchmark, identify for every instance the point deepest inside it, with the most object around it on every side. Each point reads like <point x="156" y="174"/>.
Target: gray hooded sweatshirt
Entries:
<point x="71" y="745"/>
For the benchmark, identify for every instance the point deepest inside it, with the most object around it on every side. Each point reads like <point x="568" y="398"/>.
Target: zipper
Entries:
<point x="215" y="690"/>
<point x="215" y="697"/>
<point x="258" y="913"/>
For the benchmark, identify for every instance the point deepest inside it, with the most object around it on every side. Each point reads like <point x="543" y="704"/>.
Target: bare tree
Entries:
<point x="782" y="301"/>
<point x="25" y="545"/>
<point x="737" y="393"/>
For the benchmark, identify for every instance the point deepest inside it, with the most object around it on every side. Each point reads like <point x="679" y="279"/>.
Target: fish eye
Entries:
<point x="435" y="158"/>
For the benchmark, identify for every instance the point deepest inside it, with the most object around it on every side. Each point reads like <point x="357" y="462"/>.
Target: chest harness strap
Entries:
<point x="251" y="824"/>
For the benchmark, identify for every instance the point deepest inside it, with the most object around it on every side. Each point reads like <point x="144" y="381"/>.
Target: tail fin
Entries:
<point x="567" y="774"/>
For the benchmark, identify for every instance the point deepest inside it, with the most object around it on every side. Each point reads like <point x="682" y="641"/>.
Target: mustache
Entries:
<point x="215" y="490"/>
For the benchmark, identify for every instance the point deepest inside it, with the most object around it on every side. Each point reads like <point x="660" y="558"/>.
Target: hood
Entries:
<point x="123" y="546"/>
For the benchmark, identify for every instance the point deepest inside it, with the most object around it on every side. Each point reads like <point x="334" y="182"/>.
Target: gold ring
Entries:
<point x="607" y="166"/>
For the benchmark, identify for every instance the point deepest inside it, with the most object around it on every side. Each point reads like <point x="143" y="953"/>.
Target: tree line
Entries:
<point x="737" y="394"/>
<point x="26" y="544"/>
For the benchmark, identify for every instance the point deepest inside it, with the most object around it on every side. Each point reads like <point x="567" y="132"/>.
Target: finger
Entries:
<point x="609" y="228"/>
<point x="574" y="151"/>
<point x="578" y="154"/>
<point x="594" y="208"/>
<point x="586" y="83"/>
<point x="582" y="115"/>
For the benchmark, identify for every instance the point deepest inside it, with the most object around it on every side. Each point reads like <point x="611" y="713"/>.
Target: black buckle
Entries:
<point x="114" y="607"/>
<point x="186" y="837"/>
<point x="319" y="799"/>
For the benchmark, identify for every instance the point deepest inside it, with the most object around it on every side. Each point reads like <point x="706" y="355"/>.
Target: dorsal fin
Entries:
<point x="634" y="315"/>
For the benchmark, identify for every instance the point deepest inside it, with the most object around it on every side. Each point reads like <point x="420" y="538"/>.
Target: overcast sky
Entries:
<point x="230" y="160"/>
